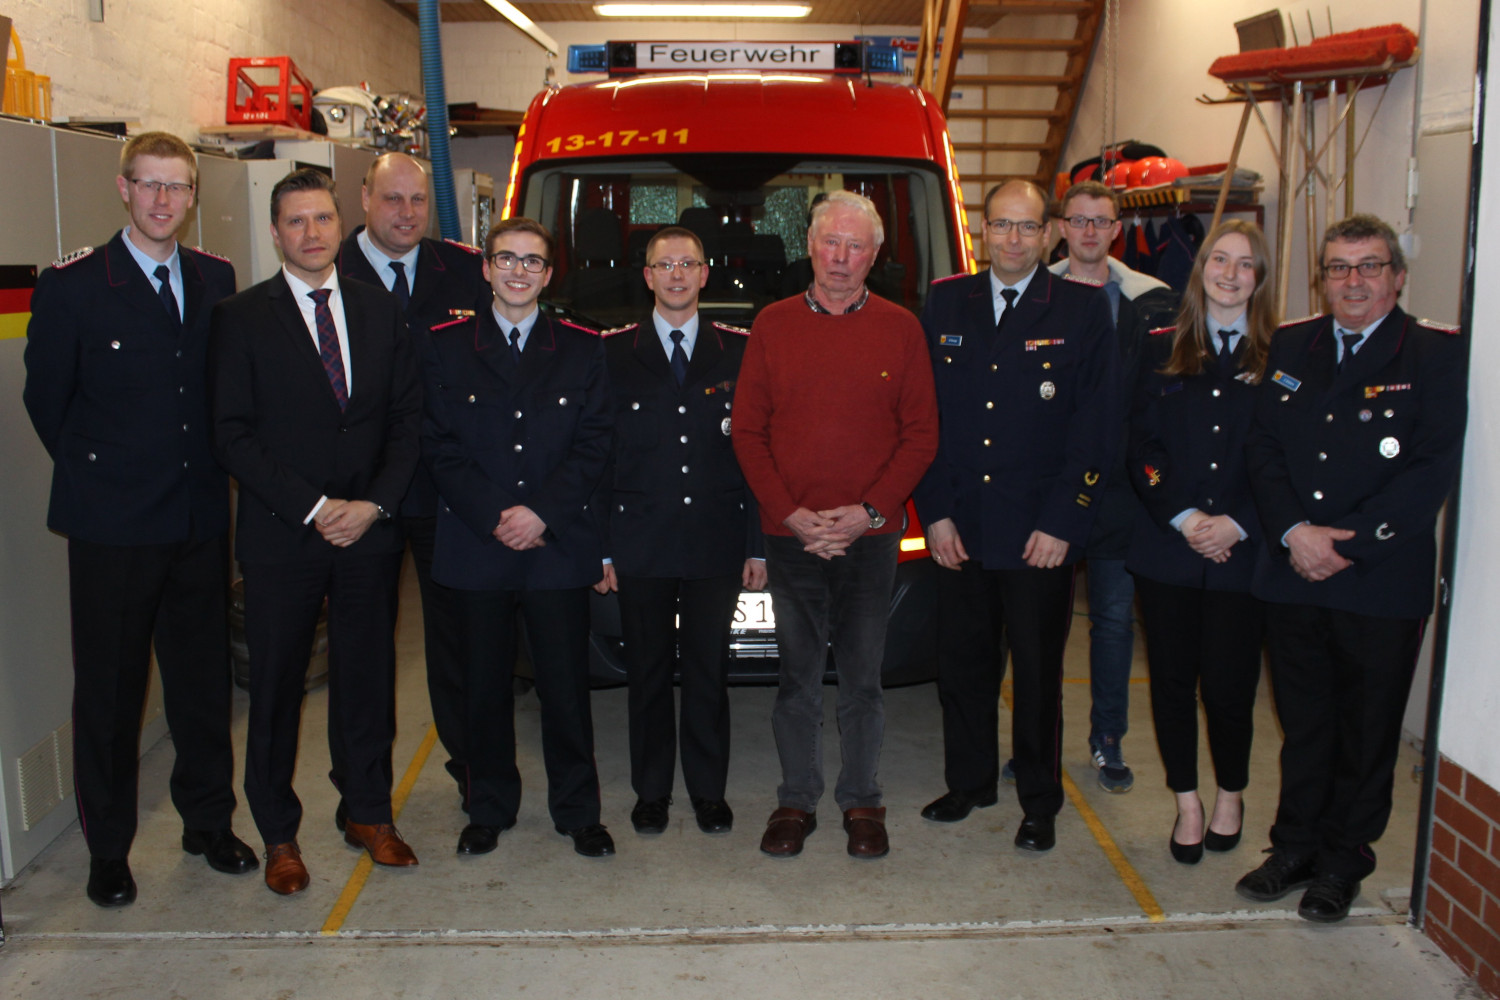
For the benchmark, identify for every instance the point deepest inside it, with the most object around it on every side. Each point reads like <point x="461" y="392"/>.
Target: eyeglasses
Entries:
<point x="1084" y="221"/>
<point x="507" y="262"/>
<point x="1367" y="269"/>
<point x="154" y="188"/>
<point x="668" y="266"/>
<point x="1003" y="226"/>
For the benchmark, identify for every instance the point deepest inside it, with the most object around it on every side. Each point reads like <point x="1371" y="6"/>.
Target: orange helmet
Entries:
<point x="1155" y="171"/>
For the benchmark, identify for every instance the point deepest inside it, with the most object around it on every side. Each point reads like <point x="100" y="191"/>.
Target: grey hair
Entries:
<point x="849" y="199"/>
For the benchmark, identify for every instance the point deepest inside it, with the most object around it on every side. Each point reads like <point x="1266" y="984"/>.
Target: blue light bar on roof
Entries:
<point x="623" y="58"/>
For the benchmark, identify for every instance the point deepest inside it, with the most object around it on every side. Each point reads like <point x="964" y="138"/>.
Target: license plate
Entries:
<point x="754" y="613"/>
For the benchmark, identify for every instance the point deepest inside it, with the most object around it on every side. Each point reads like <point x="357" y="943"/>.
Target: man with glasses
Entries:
<point x="1356" y="442"/>
<point x="435" y="280"/>
<point x="1090" y="223"/>
<point x="683" y="535"/>
<point x="517" y="436"/>
<point x="116" y="387"/>
<point x="1027" y="380"/>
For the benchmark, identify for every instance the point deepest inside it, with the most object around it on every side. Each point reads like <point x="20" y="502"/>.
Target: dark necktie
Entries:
<point x="401" y="289"/>
<point x="515" y="345"/>
<point x="679" y="358"/>
<point x="1009" y="295"/>
<point x="328" y="345"/>
<point x="1351" y="341"/>
<point x="1226" y="353"/>
<point x="168" y="300"/>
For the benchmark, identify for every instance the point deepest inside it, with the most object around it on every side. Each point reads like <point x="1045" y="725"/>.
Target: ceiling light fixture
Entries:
<point x="762" y="10"/>
<point x="525" y="25"/>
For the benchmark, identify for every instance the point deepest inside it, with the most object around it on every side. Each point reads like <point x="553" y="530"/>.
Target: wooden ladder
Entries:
<point x="1018" y="135"/>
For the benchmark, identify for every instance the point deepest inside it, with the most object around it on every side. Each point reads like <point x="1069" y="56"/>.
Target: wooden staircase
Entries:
<point x="1011" y="109"/>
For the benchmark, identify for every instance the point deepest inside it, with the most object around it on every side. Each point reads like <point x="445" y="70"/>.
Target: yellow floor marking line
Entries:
<point x="1128" y="875"/>
<point x="362" y="869"/>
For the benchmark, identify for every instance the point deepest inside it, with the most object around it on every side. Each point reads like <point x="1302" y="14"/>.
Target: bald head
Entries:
<point x="395" y="197"/>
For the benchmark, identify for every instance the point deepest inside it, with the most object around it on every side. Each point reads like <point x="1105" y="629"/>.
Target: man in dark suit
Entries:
<point x="1356" y="442"/>
<point x="684" y="536"/>
<point x="116" y="388"/>
<point x="1026" y="370"/>
<point x="436" y="280"/>
<point x="516" y="436"/>
<point x="317" y="409"/>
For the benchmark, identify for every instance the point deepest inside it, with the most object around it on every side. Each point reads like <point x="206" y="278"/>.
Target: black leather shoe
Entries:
<point x="1037" y="833"/>
<point x="1328" y="899"/>
<point x="479" y="839"/>
<point x="341" y="816"/>
<point x="1278" y="875"/>
<point x="954" y="806"/>
<point x="110" y="883"/>
<point x="1224" y="841"/>
<point x="650" y="817"/>
<point x="714" y="816"/>
<point x="222" y="849"/>
<point x="1185" y="854"/>
<point x="591" y="841"/>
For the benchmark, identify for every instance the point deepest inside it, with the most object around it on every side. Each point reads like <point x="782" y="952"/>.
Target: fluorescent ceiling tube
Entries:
<point x="525" y="24"/>
<point x="702" y="9"/>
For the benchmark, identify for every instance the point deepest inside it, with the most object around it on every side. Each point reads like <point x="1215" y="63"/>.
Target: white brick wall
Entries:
<point x="163" y="62"/>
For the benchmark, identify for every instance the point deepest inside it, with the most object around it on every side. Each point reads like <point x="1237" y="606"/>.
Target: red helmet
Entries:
<point x="1155" y="171"/>
<point x="1119" y="175"/>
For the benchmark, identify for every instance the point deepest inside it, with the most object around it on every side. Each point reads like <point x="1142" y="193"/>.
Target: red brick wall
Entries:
<point x="1463" y="894"/>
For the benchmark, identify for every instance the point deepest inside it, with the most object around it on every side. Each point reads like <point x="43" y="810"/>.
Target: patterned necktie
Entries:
<point x="1009" y="295"/>
<point x="328" y="345"/>
<point x="1351" y="341"/>
<point x="679" y="358"/>
<point x="515" y="345"/>
<point x="168" y="300"/>
<point x="1226" y="353"/>
<point x="401" y="289"/>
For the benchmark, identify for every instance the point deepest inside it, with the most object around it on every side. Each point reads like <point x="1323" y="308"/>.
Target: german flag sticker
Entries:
<point x="16" y="284"/>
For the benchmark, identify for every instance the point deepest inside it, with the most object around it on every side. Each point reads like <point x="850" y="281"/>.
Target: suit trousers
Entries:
<point x="123" y="599"/>
<point x="650" y="609"/>
<point x="846" y="602"/>
<point x="1341" y="681"/>
<point x="557" y="630"/>
<point x="980" y="611"/>
<point x="1208" y="641"/>
<point x="282" y="603"/>
<point x="441" y="625"/>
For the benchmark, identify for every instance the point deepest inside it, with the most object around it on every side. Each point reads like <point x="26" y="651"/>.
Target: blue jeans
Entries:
<point x="846" y="601"/>
<point x="1111" y="646"/>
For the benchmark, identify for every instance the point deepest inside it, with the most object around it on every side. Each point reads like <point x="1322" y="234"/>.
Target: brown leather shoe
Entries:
<point x="866" y="830"/>
<point x="382" y="841"/>
<point x="786" y="830"/>
<point x="285" y="872"/>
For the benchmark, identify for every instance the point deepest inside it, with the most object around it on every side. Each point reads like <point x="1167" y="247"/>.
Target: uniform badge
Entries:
<point x="73" y="257"/>
<point x="1364" y="416"/>
<point x="1032" y="345"/>
<point x="1246" y="377"/>
<point x="1047" y="390"/>
<point x="462" y="313"/>
<point x="1153" y="475"/>
<point x="1384" y="532"/>
<point x="724" y="426"/>
<point x="1371" y="391"/>
<point x="1284" y="380"/>
<point x="951" y="340"/>
<point x="1091" y="478"/>
<point x="1389" y="447"/>
<point x="1170" y="388"/>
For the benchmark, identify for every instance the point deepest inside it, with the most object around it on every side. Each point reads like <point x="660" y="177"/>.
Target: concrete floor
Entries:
<point x="955" y="911"/>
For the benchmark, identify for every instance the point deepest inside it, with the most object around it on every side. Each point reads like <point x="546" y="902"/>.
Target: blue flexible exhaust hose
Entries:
<point x="436" y="95"/>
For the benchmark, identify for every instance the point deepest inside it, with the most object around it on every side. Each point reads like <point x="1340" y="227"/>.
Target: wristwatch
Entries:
<point x="877" y="520"/>
<point x="381" y="514"/>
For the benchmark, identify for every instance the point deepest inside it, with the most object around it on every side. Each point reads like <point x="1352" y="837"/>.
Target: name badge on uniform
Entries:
<point x="1170" y="388"/>
<point x="951" y="340"/>
<point x="1284" y="380"/>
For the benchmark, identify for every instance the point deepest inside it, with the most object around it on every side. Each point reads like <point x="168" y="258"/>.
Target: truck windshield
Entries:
<point x="749" y="210"/>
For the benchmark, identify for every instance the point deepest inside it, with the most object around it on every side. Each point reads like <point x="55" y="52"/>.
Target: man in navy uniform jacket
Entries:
<point x="116" y="388"/>
<point x="517" y="434"/>
<point x="684" y="533"/>
<point x="1356" y="442"/>
<point x="1026" y="369"/>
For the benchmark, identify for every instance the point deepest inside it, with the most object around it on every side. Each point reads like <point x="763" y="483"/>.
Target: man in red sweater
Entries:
<point x="835" y="421"/>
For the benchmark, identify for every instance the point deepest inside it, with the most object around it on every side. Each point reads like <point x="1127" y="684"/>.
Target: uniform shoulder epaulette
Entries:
<point x="1447" y="328"/>
<point x="451" y="322"/>
<point x="1304" y="319"/>
<point x="1161" y="330"/>
<point x="727" y="328"/>
<point x="465" y="246"/>
<point x="618" y="329"/>
<point x="960" y="274"/>
<point x="73" y="257"/>
<point x="1081" y="280"/>
<point x="580" y="327"/>
<point x="210" y="253"/>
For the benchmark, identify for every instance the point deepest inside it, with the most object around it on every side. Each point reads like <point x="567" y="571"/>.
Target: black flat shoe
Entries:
<point x="650" y="817"/>
<point x="954" y="806"/>
<point x="591" y="841"/>
<point x="110" y="883"/>
<point x="223" y="851"/>
<point x="1037" y="833"/>
<point x="479" y="839"/>
<point x="713" y="815"/>
<point x="1185" y="854"/>
<point x="1224" y="841"/>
